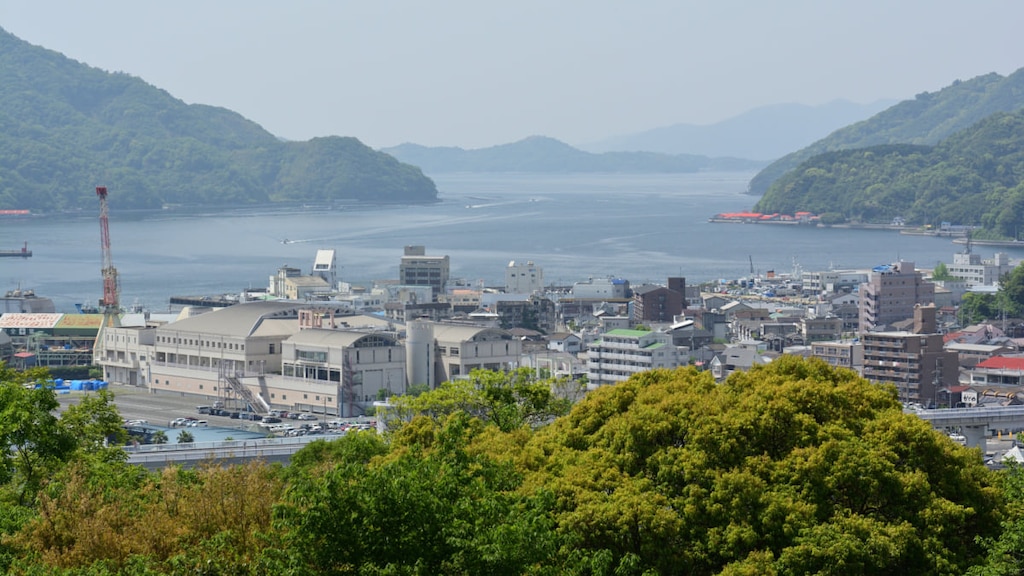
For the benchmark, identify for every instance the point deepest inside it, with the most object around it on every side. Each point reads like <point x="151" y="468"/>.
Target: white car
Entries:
<point x="306" y="416"/>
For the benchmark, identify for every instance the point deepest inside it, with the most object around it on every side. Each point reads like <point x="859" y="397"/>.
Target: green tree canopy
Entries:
<point x="507" y="399"/>
<point x="791" y="468"/>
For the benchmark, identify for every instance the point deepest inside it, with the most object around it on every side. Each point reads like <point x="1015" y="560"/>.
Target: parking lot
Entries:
<point x="157" y="409"/>
<point x="163" y="408"/>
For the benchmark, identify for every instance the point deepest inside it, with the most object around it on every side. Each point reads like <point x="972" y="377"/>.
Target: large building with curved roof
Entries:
<point x="296" y="355"/>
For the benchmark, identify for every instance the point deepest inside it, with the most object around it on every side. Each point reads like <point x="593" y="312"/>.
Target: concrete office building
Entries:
<point x="975" y="271"/>
<point x="523" y="278"/>
<point x="418" y="269"/>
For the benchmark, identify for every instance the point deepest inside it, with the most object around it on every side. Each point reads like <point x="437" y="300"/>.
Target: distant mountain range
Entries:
<point x="927" y="119"/>
<point x="764" y="133"/>
<point x="66" y="127"/>
<point x="547" y="155"/>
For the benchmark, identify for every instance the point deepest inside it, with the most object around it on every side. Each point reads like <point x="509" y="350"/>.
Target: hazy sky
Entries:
<point x="476" y="73"/>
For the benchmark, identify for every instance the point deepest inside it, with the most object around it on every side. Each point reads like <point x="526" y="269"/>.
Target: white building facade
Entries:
<point x="523" y="278"/>
<point x="621" y="353"/>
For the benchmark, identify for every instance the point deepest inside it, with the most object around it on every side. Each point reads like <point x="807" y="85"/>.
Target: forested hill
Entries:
<point x="66" y="127"/>
<point x="926" y="119"/>
<point x="975" y="176"/>
<point x="542" y="154"/>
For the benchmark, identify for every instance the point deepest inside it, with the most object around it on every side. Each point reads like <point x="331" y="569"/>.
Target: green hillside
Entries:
<point x="547" y="155"/>
<point x="66" y="127"/>
<point x="975" y="176"/>
<point x="926" y="119"/>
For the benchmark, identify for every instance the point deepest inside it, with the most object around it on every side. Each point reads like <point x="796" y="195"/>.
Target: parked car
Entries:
<point x="306" y="416"/>
<point x="271" y="420"/>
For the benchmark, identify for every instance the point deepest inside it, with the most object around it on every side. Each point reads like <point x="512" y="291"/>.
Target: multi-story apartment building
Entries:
<point x="656" y="304"/>
<point x="621" y="353"/>
<point x="821" y="329"/>
<point x="418" y="269"/>
<point x="916" y="362"/>
<point x="523" y="278"/>
<point x="840" y="354"/>
<point x="535" y="313"/>
<point x="891" y="293"/>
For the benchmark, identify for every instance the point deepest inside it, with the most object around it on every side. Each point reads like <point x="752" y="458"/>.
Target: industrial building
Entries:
<point x="289" y="355"/>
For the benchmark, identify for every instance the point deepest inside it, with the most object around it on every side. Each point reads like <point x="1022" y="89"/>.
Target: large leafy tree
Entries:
<point x="32" y="441"/>
<point x="791" y="468"/>
<point x="1010" y="297"/>
<point x="509" y="400"/>
<point x="432" y="507"/>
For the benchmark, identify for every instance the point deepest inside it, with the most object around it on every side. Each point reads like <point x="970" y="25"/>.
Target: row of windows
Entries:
<point x="208" y="343"/>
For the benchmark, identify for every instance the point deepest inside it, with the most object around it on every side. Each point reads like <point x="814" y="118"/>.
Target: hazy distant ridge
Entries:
<point x="66" y="127"/>
<point x="764" y="133"/>
<point x="927" y="119"/>
<point x="546" y="155"/>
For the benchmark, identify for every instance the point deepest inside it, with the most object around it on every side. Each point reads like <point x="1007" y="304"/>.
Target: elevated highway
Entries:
<point x="158" y="456"/>
<point x="975" y="423"/>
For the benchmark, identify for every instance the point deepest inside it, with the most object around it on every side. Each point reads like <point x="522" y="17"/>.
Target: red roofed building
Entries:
<point x="1005" y="371"/>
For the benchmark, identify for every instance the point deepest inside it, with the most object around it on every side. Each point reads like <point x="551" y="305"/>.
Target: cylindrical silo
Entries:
<point x="419" y="353"/>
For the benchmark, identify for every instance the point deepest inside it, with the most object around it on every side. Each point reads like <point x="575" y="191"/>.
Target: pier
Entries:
<point x="23" y="253"/>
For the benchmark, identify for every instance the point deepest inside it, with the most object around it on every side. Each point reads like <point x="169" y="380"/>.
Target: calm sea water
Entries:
<point x="638" y="227"/>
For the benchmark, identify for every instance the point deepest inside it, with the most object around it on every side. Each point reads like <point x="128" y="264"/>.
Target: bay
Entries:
<point x="640" y="227"/>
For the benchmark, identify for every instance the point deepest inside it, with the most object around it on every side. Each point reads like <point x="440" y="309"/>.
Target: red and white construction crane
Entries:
<point x="110" y="304"/>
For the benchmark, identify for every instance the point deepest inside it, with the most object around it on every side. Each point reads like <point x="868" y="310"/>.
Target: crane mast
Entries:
<point x="110" y="303"/>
